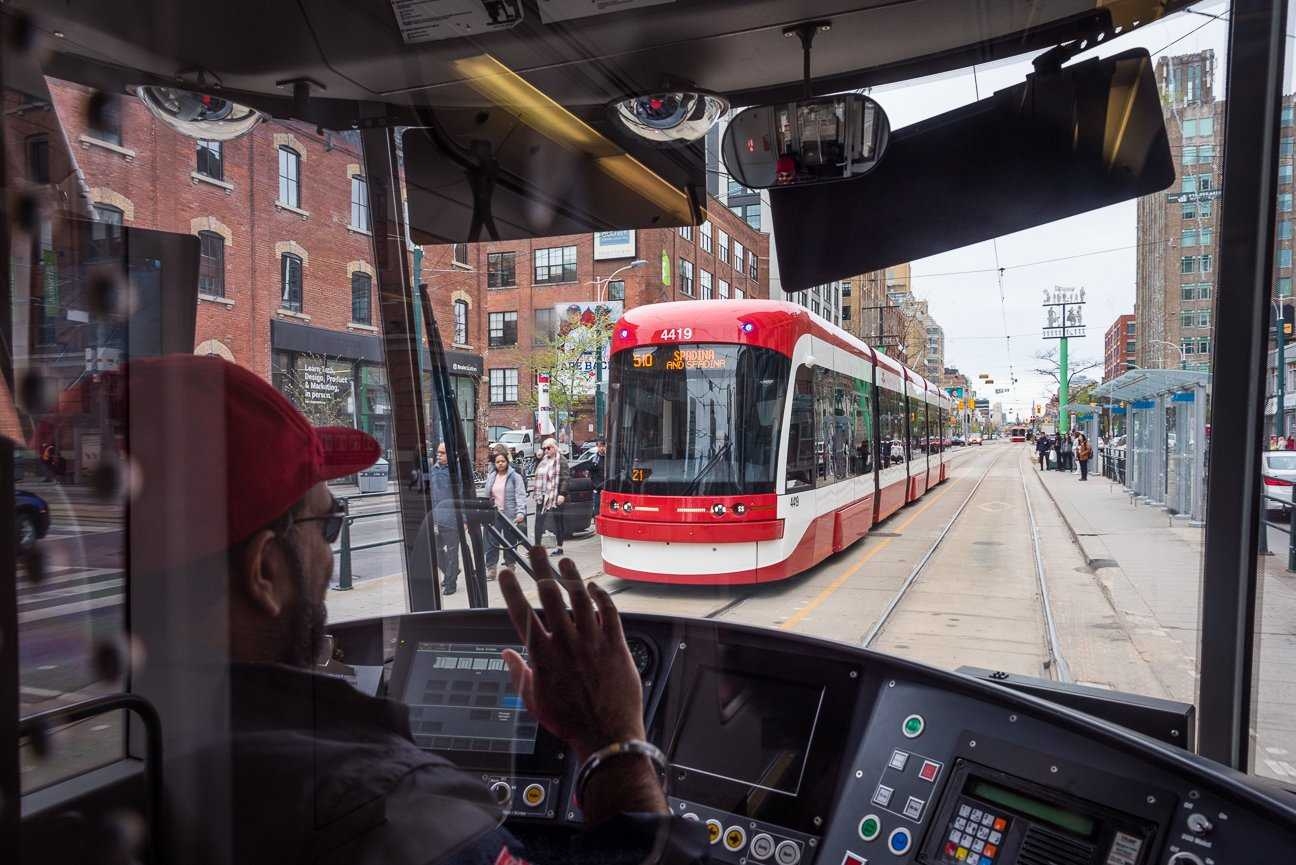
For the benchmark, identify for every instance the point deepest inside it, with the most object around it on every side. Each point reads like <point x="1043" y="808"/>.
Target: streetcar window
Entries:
<point x="801" y="440"/>
<point x="695" y="420"/>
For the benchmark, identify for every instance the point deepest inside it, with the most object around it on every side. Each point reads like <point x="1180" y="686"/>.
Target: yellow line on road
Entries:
<point x="797" y="617"/>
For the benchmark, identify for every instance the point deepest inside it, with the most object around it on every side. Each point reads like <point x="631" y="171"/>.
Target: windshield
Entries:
<point x="513" y="438"/>
<point x="696" y="419"/>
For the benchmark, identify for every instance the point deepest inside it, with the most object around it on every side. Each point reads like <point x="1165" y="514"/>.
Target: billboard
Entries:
<point x="575" y="319"/>
<point x="614" y="244"/>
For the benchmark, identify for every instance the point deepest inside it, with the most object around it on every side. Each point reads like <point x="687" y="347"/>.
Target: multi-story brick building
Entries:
<point x="1120" y="347"/>
<point x="287" y="286"/>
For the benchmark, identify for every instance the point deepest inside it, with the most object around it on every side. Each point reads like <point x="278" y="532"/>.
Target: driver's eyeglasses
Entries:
<point x="332" y="521"/>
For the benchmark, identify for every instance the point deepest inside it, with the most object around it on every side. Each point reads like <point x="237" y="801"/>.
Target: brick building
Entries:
<point x="1120" y="347"/>
<point x="287" y="286"/>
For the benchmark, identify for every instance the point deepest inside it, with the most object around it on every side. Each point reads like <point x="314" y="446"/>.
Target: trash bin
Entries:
<point x="374" y="478"/>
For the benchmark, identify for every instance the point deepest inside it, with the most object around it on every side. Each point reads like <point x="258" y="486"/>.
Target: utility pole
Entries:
<point x="1064" y="318"/>
<point x="1280" y="389"/>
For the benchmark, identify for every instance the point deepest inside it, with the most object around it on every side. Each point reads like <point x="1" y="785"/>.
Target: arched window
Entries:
<point x="361" y="298"/>
<point x="461" y="322"/>
<point x="290" y="270"/>
<point x="211" y="264"/>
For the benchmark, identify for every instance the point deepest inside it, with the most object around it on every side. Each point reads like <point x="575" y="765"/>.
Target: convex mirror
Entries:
<point x="804" y="142"/>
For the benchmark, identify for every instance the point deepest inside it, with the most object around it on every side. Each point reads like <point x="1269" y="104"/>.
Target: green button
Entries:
<point x="913" y="726"/>
<point x="870" y="827"/>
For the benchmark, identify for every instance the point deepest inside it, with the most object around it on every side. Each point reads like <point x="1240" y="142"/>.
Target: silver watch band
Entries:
<point x="630" y="747"/>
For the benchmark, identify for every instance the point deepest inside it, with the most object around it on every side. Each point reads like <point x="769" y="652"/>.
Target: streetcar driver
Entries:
<point x="318" y="771"/>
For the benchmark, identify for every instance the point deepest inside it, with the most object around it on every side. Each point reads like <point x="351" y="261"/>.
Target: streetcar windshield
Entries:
<point x="699" y="419"/>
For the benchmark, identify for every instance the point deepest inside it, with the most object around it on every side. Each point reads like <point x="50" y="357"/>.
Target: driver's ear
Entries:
<point x="260" y="561"/>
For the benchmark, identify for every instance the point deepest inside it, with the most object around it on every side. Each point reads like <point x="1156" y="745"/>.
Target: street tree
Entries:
<point x="1047" y="364"/>
<point x="570" y="357"/>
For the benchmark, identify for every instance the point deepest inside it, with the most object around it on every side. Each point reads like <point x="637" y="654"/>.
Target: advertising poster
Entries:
<point x="614" y="244"/>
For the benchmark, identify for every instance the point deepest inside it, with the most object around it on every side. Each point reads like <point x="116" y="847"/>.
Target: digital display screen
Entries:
<point x="680" y="359"/>
<point x="460" y="698"/>
<point x="1063" y="819"/>
<point x="750" y="729"/>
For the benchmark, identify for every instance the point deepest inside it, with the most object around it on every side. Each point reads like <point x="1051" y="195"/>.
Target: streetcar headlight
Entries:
<point x="718" y="509"/>
<point x="614" y="505"/>
<point x="740" y="509"/>
<point x="627" y="508"/>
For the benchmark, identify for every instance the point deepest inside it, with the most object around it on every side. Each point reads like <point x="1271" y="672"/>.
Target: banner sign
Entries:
<point x="1143" y="404"/>
<point x="614" y="244"/>
<point x="1184" y="396"/>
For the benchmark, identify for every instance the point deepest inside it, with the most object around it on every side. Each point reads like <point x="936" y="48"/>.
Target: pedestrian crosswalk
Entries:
<point x="70" y="592"/>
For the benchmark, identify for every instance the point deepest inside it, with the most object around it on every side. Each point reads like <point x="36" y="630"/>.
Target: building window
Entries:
<point x="1186" y="319"/>
<point x="1204" y="209"/>
<point x="1190" y="155"/>
<point x="289" y="177"/>
<point x="1284" y="286"/>
<point x="546" y="326"/>
<point x="105" y="119"/>
<point x="686" y="276"/>
<point x="1206" y="126"/>
<point x="501" y="269"/>
<point x="739" y="294"/>
<point x="1287" y="115"/>
<point x="211" y="159"/>
<point x="461" y="322"/>
<point x="753" y="268"/>
<point x="1203" y="291"/>
<point x="503" y="386"/>
<point x="723" y="288"/>
<point x="38" y="159"/>
<point x="724" y="246"/>
<point x="1284" y="258"/>
<point x="1285" y="172"/>
<point x="1285" y="202"/>
<point x="1206" y="154"/>
<point x="704" y="284"/>
<point x="1129" y="347"/>
<point x="1188" y="183"/>
<point x="706" y="236"/>
<point x="1189" y="346"/>
<point x="555" y="265"/>
<point x="1188" y="291"/>
<point x="740" y="257"/>
<point x="459" y="253"/>
<point x="686" y="232"/>
<point x="361" y="298"/>
<point x="1205" y="264"/>
<point x="1207" y="237"/>
<point x="1188" y="237"/>
<point x="1190" y="129"/>
<point x="1205" y="182"/>
<point x="1285" y="147"/>
<point x="211" y="264"/>
<point x="616" y="290"/>
<point x="1188" y="264"/>
<point x="1203" y="317"/>
<point x="503" y="328"/>
<point x="1203" y="345"/>
<point x="359" y="203"/>
<point x="1129" y="328"/>
<point x="752" y="215"/>
<point x="1285" y="230"/>
<point x="1192" y="93"/>
<point x="290" y="281"/>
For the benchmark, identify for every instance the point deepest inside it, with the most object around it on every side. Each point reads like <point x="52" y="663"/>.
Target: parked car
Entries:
<point x="974" y="440"/>
<point x="32" y="519"/>
<point x="520" y="442"/>
<point x="1278" y="472"/>
<point x="957" y="441"/>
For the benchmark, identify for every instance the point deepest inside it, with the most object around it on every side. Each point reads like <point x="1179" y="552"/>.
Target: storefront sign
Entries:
<point x="614" y="244"/>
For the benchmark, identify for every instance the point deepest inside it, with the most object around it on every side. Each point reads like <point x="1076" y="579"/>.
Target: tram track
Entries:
<point x="1052" y="661"/>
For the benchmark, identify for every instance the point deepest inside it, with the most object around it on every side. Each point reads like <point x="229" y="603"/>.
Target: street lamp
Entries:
<point x="1183" y="358"/>
<point x="600" y="286"/>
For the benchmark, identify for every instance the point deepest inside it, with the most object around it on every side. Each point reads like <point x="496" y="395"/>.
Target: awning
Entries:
<point x="1146" y="383"/>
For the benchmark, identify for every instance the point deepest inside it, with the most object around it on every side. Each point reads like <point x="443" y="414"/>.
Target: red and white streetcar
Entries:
<point x="748" y="440"/>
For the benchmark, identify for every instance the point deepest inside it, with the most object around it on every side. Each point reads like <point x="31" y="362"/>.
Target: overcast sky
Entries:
<point x="962" y="286"/>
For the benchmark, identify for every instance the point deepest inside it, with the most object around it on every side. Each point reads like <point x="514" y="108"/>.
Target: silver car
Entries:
<point x="1279" y="475"/>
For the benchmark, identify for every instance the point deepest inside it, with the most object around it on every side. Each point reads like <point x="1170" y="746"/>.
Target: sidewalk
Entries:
<point x="1150" y="567"/>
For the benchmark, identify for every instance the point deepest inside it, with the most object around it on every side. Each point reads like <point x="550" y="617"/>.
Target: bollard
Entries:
<point x="344" y="566"/>
<point x="1291" y="539"/>
<point x="1264" y="528"/>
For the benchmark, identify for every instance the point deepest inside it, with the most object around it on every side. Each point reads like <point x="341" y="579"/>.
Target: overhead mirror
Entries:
<point x="199" y="115"/>
<point x="806" y="142"/>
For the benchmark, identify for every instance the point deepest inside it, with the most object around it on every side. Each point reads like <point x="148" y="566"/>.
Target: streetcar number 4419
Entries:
<point x="676" y="333"/>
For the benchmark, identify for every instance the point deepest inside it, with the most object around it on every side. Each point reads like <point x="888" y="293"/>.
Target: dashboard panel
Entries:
<point x="797" y="751"/>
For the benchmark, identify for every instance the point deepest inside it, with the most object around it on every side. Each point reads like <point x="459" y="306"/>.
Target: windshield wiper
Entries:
<point x="697" y="478"/>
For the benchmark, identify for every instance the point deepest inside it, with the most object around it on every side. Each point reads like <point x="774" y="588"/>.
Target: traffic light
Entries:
<point x="1288" y="317"/>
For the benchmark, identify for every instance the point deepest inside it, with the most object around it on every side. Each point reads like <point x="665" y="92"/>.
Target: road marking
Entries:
<point x="800" y="615"/>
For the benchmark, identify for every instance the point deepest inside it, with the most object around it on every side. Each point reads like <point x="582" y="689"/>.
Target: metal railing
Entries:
<point x="1113" y="464"/>
<point x="1290" y="528"/>
<point x="346" y="548"/>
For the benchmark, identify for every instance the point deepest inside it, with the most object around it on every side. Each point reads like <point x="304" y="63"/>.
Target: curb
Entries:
<point x="1075" y="536"/>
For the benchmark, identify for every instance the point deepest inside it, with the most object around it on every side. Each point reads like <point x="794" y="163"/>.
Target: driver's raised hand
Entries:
<point x="580" y="681"/>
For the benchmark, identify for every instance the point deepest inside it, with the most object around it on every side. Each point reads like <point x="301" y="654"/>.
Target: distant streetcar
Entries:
<point x="749" y="440"/>
<point x="1018" y="433"/>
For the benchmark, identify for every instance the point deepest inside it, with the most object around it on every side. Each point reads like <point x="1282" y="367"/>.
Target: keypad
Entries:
<point x="974" y="835"/>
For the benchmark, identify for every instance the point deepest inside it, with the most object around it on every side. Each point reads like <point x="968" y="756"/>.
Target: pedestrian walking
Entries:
<point x="1084" y="453"/>
<point x="507" y="491"/>
<point x="446" y="524"/>
<point x="1042" y="448"/>
<point x="551" y="477"/>
<point x="597" y="475"/>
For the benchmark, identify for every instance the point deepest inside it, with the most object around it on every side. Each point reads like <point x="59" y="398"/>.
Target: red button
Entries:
<point x="999" y="824"/>
<point x="929" y="770"/>
<point x="950" y="848"/>
<point x="991" y="850"/>
<point x="853" y="859"/>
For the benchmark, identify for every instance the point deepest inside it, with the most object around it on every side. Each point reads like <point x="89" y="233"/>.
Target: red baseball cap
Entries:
<point x="218" y="453"/>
